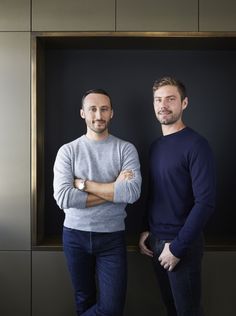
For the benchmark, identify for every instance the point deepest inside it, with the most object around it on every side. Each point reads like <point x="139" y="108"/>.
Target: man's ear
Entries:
<point x="112" y="113"/>
<point x="184" y="103"/>
<point x="82" y="113"/>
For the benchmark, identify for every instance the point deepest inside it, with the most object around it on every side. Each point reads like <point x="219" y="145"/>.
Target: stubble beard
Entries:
<point x="99" y="130"/>
<point x="169" y="120"/>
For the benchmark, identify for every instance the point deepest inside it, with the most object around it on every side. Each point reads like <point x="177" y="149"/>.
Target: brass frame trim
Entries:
<point x="34" y="126"/>
<point x="135" y="34"/>
<point x="33" y="140"/>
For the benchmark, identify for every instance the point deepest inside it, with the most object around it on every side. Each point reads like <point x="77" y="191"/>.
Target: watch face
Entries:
<point x="81" y="186"/>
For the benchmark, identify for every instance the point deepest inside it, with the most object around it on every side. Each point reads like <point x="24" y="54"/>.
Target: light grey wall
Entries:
<point x="41" y="277"/>
<point x="73" y="15"/>
<point x="15" y="140"/>
<point x="217" y="15"/>
<point x="15" y="15"/>
<point x="152" y="15"/>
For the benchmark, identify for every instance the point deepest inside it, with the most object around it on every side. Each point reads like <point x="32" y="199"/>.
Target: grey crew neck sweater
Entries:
<point x="99" y="161"/>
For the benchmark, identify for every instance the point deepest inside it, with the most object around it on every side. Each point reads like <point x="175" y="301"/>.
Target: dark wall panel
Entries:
<point x="15" y="279"/>
<point x="128" y="75"/>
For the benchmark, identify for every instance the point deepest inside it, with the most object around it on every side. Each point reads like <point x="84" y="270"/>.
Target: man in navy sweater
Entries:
<point x="181" y="199"/>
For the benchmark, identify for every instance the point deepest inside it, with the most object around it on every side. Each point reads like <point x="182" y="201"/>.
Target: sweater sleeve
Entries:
<point x="129" y="191"/>
<point x="201" y="167"/>
<point x="65" y="194"/>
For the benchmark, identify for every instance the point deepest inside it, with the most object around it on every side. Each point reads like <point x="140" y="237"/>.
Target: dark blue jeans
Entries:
<point x="180" y="288"/>
<point x="98" y="266"/>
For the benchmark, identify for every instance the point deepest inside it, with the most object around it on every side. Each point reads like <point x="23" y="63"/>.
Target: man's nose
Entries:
<point x="98" y="114"/>
<point x="163" y="104"/>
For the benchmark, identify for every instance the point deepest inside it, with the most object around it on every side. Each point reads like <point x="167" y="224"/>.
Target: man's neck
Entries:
<point x="97" y="136"/>
<point x="172" y="128"/>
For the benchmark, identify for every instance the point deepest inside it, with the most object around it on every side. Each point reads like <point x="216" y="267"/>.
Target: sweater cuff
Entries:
<point x="177" y="249"/>
<point x="78" y="199"/>
<point x="119" y="192"/>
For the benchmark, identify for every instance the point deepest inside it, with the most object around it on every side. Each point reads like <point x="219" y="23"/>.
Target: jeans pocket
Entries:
<point x="157" y="246"/>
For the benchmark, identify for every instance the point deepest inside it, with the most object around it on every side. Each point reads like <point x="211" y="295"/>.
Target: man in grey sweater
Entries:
<point x="95" y="176"/>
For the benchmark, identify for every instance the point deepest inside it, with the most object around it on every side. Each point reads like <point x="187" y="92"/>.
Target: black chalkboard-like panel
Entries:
<point x="127" y="68"/>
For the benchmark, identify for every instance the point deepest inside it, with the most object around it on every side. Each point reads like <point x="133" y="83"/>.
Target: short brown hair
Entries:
<point x="170" y="81"/>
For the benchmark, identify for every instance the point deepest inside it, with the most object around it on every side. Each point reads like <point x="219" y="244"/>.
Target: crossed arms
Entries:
<point x="124" y="189"/>
<point x="99" y="193"/>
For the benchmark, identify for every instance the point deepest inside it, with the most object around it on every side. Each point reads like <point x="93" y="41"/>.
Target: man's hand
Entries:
<point x="125" y="175"/>
<point x="167" y="259"/>
<point x="142" y="246"/>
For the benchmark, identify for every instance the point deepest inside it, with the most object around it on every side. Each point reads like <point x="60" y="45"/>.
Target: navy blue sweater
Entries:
<point x="182" y="188"/>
